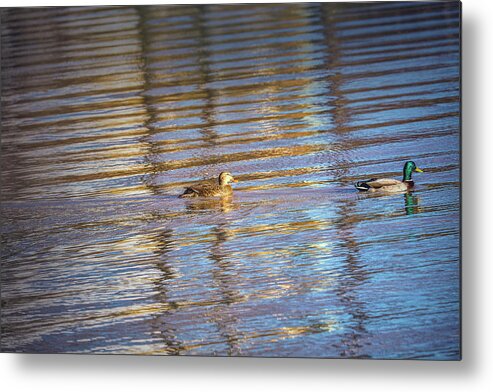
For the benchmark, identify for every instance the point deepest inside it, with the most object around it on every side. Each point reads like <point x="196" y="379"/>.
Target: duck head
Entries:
<point x="225" y="178"/>
<point x="409" y="168"/>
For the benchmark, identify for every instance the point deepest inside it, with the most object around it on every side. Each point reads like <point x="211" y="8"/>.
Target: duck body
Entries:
<point x="384" y="185"/>
<point x="211" y="188"/>
<point x="390" y="185"/>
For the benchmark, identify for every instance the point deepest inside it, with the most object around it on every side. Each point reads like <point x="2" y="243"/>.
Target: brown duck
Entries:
<point x="211" y="188"/>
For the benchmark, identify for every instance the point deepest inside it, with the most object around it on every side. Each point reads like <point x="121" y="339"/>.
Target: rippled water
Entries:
<point x="107" y="113"/>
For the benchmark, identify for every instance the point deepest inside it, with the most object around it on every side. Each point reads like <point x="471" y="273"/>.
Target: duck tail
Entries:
<point x="363" y="186"/>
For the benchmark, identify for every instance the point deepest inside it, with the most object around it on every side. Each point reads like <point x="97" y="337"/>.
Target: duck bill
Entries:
<point x="418" y="170"/>
<point x="235" y="180"/>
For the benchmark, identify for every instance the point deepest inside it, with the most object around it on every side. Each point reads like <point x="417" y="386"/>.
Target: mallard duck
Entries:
<point x="389" y="184"/>
<point x="210" y="188"/>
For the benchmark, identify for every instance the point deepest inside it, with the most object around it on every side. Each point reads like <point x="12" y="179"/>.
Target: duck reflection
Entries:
<point x="222" y="204"/>
<point x="411" y="203"/>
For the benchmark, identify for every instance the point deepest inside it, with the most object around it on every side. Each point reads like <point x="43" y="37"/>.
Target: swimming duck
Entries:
<point x="389" y="184"/>
<point x="210" y="188"/>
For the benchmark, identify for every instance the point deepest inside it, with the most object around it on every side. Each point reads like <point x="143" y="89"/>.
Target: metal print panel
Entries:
<point x="268" y="180"/>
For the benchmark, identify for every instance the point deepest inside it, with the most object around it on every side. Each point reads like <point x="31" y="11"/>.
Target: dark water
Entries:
<point x="108" y="112"/>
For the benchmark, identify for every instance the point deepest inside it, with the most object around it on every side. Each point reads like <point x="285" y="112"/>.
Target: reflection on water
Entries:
<point x="411" y="203"/>
<point x="108" y="112"/>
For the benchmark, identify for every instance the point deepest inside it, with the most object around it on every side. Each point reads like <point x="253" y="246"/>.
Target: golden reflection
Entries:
<point x="205" y="75"/>
<point x="355" y="273"/>
<point x="352" y="344"/>
<point x="117" y="135"/>
<point x="240" y="156"/>
<point x="271" y="229"/>
<point x="286" y="228"/>
<point x="280" y="186"/>
<point x="274" y="335"/>
<point x="226" y="278"/>
<point x="219" y="140"/>
<point x="308" y="329"/>
<point x="161" y="322"/>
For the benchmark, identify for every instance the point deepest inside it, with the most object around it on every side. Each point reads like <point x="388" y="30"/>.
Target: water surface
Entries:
<point x="107" y="113"/>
